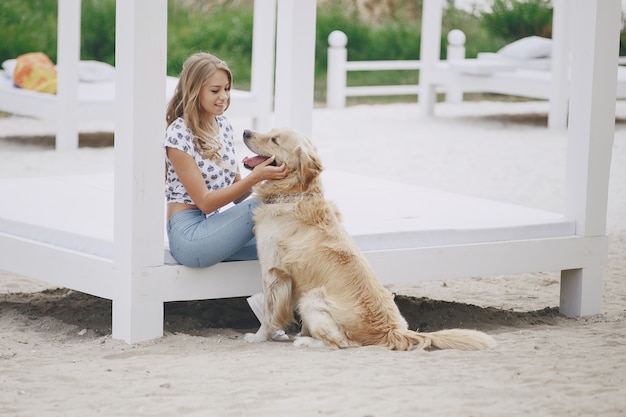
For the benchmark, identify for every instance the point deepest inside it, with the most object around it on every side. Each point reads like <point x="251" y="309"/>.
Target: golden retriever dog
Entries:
<point x="310" y="265"/>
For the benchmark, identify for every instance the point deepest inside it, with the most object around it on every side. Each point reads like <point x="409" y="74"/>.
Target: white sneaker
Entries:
<point x="256" y="304"/>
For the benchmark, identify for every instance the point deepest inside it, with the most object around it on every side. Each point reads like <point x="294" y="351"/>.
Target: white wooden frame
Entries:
<point x="442" y="77"/>
<point x="435" y="74"/>
<point x="68" y="111"/>
<point x="137" y="280"/>
<point x="550" y="85"/>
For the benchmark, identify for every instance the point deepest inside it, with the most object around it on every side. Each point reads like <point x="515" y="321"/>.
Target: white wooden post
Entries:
<point x="295" y="64"/>
<point x="141" y="50"/>
<point x="263" y="53"/>
<point x="590" y="140"/>
<point x="336" y="75"/>
<point x="430" y="47"/>
<point x="68" y="56"/>
<point x="455" y="51"/>
<point x="560" y="64"/>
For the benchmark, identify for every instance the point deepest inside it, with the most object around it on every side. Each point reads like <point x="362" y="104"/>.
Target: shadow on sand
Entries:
<point x="194" y="317"/>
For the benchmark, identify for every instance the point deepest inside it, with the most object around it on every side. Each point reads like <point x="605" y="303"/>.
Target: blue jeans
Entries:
<point x="198" y="241"/>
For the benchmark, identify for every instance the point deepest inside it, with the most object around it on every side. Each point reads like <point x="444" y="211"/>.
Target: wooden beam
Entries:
<point x="68" y="57"/>
<point x="295" y="64"/>
<point x="595" y="46"/>
<point x="141" y="53"/>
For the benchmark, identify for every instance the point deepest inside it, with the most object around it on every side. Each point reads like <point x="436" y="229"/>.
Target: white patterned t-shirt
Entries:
<point x="179" y="136"/>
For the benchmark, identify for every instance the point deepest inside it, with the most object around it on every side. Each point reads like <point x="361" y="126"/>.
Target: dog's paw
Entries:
<point x="280" y="335"/>
<point x="304" y="341"/>
<point x="254" y="338"/>
<point x="262" y="336"/>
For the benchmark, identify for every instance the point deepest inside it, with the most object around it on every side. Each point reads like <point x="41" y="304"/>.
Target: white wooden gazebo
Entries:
<point x="135" y="276"/>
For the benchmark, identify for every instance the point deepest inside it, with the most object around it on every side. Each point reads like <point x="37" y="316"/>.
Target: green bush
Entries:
<point x="225" y="29"/>
<point x="225" y="32"/>
<point x="514" y="19"/>
<point x="98" y="30"/>
<point x="28" y="26"/>
<point x="393" y="39"/>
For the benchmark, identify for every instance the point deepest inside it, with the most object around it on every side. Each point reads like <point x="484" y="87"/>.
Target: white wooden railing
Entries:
<point x="337" y="89"/>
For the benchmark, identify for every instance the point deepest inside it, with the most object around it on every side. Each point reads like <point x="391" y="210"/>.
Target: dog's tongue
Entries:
<point x="253" y="161"/>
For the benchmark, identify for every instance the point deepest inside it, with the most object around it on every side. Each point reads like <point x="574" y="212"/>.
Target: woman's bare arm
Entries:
<point x="209" y="201"/>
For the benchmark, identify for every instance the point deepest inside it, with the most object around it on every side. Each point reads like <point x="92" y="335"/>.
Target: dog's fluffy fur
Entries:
<point x="311" y="265"/>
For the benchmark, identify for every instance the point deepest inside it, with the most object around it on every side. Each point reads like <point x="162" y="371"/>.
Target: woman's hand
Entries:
<point x="265" y="171"/>
<point x="261" y="172"/>
<point x="209" y="201"/>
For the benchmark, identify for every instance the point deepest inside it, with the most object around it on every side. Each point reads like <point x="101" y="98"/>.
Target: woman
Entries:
<point x="202" y="172"/>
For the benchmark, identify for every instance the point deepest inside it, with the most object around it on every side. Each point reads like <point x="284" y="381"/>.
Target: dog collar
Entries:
<point x="288" y="198"/>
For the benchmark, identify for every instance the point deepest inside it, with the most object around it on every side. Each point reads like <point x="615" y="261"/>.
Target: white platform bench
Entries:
<point x="402" y="229"/>
<point x="379" y="215"/>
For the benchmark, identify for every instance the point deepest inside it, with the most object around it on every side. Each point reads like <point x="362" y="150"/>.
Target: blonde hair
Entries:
<point x="185" y="102"/>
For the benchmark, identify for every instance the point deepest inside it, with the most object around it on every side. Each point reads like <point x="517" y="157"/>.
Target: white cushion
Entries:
<point x="532" y="63"/>
<point x="400" y="215"/>
<point x="480" y="66"/>
<point x="528" y="48"/>
<point x="95" y="71"/>
<point x="9" y="66"/>
<point x="88" y="71"/>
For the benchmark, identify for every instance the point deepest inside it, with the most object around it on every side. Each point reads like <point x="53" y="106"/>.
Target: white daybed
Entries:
<point x="448" y="237"/>
<point x="80" y="100"/>
<point x="421" y="218"/>
<point x="493" y="73"/>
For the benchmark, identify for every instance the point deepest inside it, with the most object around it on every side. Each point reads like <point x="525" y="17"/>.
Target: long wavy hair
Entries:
<point x="185" y="103"/>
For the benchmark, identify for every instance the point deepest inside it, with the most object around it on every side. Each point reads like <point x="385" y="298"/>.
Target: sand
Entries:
<point x="57" y="357"/>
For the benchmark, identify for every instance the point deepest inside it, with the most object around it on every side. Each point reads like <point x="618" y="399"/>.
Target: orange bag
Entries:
<point x="35" y="71"/>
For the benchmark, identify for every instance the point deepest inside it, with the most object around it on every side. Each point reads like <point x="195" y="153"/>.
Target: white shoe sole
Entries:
<point x="256" y="305"/>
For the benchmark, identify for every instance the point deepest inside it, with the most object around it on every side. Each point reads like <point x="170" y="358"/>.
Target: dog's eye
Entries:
<point x="275" y="140"/>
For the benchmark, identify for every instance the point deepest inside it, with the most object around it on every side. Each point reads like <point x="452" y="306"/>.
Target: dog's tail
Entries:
<point x="461" y="339"/>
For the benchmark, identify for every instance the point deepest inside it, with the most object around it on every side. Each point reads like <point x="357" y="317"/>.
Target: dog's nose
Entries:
<point x="247" y="134"/>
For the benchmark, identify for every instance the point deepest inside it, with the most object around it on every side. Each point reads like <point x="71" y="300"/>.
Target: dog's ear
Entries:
<point x="309" y="166"/>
